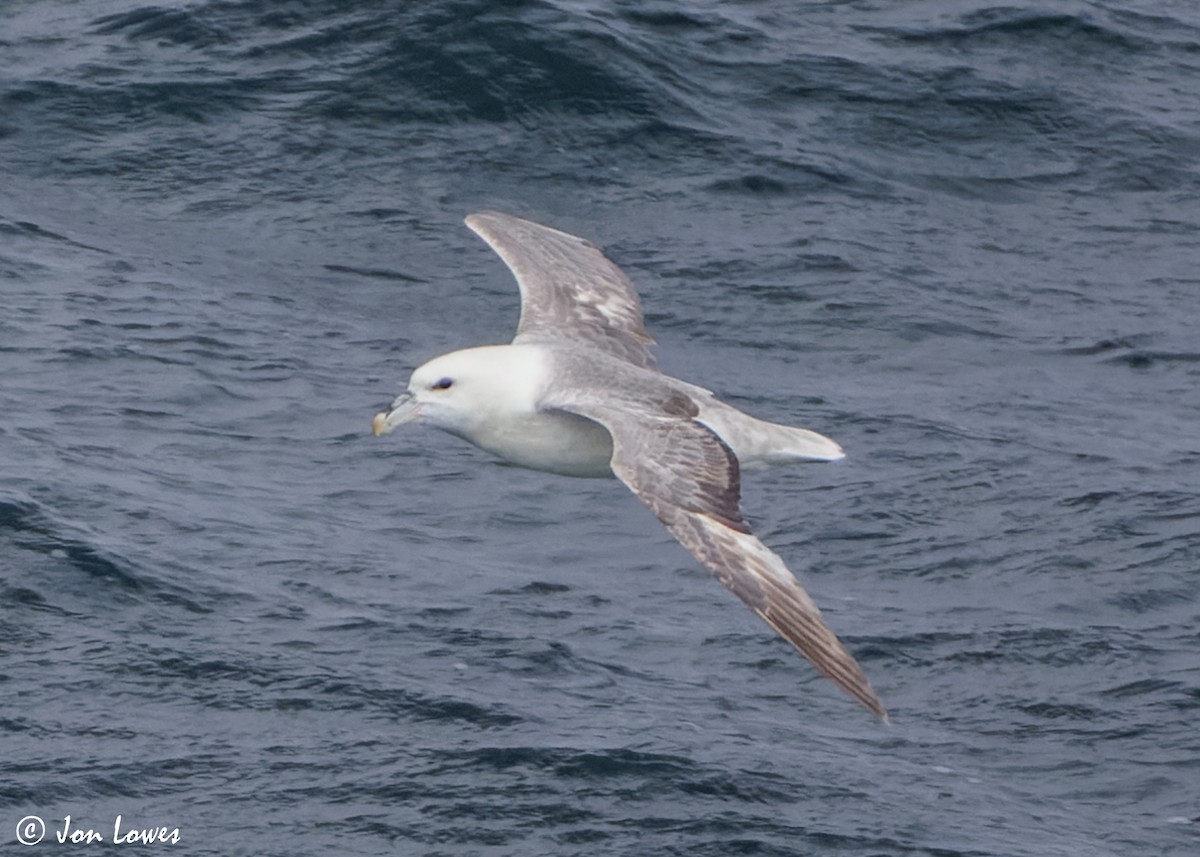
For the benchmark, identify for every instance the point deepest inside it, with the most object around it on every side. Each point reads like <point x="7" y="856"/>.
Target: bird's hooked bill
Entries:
<point x="404" y="409"/>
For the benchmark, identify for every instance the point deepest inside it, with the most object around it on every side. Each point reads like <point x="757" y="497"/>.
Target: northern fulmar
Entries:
<point x="578" y="393"/>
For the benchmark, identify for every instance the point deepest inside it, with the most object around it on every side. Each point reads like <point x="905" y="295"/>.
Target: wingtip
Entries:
<point x="476" y="217"/>
<point x="864" y="696"/>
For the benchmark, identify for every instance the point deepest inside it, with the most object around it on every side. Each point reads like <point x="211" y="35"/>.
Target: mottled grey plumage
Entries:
<point x="578" y="393"/>
<point x="569" y="291"/>
<point x="691" y="480"/>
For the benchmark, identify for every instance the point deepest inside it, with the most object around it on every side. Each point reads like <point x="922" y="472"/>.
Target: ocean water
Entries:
<point x="960" y="238"/>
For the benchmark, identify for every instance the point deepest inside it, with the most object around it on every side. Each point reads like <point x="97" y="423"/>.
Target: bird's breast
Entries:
<point x="554" y="441"/>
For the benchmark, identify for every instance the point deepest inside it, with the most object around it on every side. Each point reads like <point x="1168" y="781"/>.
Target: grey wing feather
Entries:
<point x="689" y="478"/>
<point x="569" y="291"/>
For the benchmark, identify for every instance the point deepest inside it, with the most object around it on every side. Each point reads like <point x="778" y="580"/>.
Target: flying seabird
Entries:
<point x="578" y="393"/>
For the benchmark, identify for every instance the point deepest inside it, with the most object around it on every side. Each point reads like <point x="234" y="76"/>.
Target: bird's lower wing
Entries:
<point x="689" y="478"/>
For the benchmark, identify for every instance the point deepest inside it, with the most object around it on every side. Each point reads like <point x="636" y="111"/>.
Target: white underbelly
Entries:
<point x="557" y="442"/>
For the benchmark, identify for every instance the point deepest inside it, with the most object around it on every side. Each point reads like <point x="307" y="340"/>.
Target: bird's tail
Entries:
<point x="758" y="443"/>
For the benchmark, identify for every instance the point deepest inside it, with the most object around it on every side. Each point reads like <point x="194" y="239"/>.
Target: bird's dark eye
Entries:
<point x="443" y="384"/>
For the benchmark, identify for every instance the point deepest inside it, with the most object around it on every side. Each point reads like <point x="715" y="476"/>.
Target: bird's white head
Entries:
<point x="464" y="389"/>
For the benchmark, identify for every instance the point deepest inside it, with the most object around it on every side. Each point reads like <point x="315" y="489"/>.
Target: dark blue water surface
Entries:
<point x="962" y="239"/>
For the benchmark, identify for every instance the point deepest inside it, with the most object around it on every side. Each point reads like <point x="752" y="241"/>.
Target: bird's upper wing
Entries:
<point x="687" y="475"/>
<point x="569" y="291"/>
